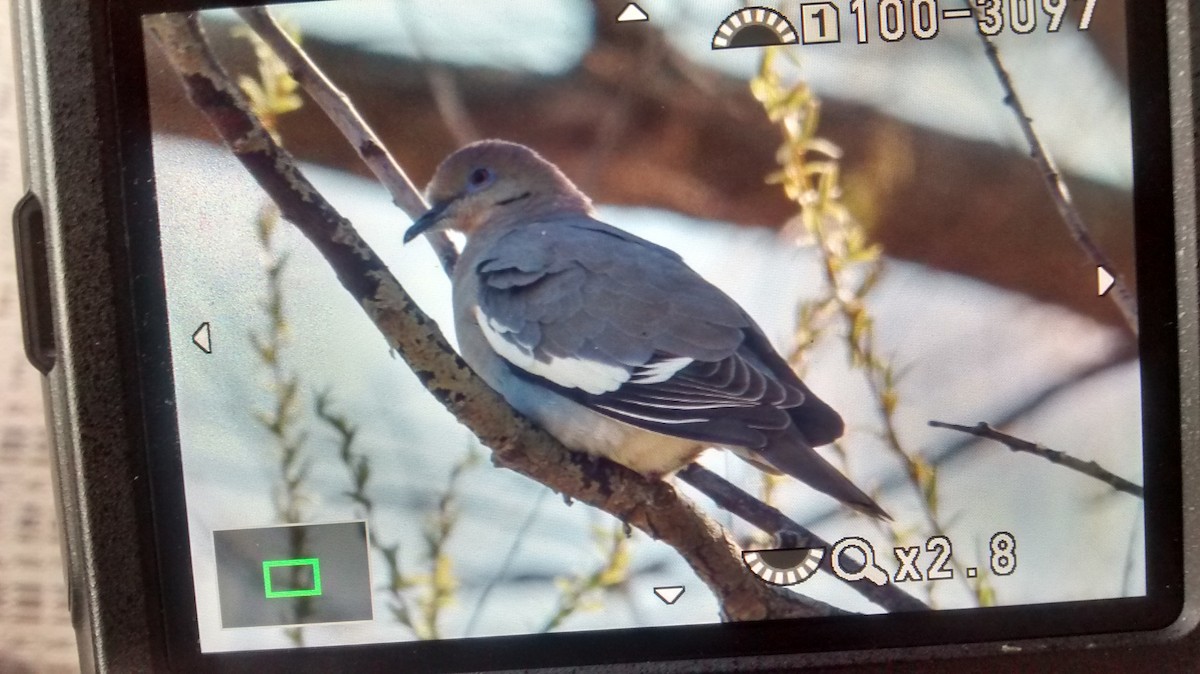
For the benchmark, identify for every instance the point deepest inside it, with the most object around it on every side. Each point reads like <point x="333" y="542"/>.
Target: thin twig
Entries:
<point x="505" y="565"/>
<point x="440" y="526"/>
<point x="443" y="85"/>
<point x="956" y="449"/>
<point x="612" y="573"/>
<point x="615" y="120"/>
<point x="358" y="470"/>
<point x="1131" y="550"/>
<point x="345" y="117"/>
<point x="852" y="264"/>
<point x="714" y="487"/>
<point x="1121" y="295"/>
<point x="449" y="101"/>
<point x="1089" y="468"/>
<point x="732" y="498"/>
<point x="1082" y="375"/>
<point x="653" y="506"/>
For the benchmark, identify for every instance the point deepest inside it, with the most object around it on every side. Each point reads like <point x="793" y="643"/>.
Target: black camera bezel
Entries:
<point x="143" y="355"/>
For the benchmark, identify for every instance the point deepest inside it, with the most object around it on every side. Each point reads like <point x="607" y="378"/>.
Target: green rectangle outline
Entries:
<point x="314" y="562"/>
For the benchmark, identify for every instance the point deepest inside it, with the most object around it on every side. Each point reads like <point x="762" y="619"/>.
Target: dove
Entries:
<point x="612" y="343"/>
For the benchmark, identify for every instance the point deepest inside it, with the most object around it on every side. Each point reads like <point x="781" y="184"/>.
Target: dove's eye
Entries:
<point x="479" y="179"/>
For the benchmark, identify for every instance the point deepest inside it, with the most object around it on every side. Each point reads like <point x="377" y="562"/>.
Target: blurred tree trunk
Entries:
<point x="638" y="124"/>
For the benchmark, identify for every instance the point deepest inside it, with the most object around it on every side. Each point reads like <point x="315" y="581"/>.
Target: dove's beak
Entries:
<point x="431" y="219"/>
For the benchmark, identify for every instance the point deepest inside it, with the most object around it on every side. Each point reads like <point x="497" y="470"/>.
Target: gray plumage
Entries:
<point x="610" y="342"/>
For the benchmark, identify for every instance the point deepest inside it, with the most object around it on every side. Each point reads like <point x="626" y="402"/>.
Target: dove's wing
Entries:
<point x="625" y="328"/>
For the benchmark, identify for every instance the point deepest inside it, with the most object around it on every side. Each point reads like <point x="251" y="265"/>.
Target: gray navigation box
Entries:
<point x="293" y="575"/>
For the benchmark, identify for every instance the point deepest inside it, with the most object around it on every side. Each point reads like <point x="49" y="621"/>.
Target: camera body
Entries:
<point x="82" y="323"/>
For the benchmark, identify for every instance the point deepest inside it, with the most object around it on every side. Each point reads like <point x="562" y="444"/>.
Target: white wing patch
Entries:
<point x="579" y="373"/>
<point x="657" y="373"/>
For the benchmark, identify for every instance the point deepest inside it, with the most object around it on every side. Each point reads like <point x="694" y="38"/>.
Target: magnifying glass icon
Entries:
<point x="869" y="569"/>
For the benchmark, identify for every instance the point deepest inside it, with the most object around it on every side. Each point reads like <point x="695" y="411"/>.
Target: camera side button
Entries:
<point x="33" y="282"/>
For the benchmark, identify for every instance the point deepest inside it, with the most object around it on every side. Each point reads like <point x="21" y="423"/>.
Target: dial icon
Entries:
<point x="784" y="566"/>
<point x="754" y="27"/>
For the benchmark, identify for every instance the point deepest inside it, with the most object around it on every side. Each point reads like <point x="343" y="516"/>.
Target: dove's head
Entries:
<point x="494" y="182"/>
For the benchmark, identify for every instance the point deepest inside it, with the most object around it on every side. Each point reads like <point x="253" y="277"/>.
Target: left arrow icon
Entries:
<point x="202" y="337"/>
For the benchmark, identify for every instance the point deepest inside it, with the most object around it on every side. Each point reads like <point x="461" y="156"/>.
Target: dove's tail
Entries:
<point x="789" y="453"/>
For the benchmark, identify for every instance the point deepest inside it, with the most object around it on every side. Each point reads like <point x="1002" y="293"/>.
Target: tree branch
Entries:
<point x="653" y="506"/>
<point x="340" y="109"/>
<point x="341" y="112"/>
<point x="1089" y="468"/>
<point x="1121" y="295"/>
<point x="353" y="127"/>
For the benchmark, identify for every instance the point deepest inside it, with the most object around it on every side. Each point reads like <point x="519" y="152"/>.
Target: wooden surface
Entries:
<point x="35" y="630"/>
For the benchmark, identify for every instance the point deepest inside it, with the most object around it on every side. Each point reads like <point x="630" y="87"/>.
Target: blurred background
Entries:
<point x="620" y="108"/>
<point x="35" y="629"/>
<point x="975" y="304"/>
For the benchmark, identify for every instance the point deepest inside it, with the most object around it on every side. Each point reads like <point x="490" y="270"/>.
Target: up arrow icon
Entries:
<point x="632" y="13"/>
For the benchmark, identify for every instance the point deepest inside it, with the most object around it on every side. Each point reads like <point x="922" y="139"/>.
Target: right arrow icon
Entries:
<point x="1104" y="280"/>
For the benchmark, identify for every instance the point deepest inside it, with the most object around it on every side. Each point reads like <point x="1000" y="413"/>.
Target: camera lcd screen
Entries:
<point x="933" y="213"/>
